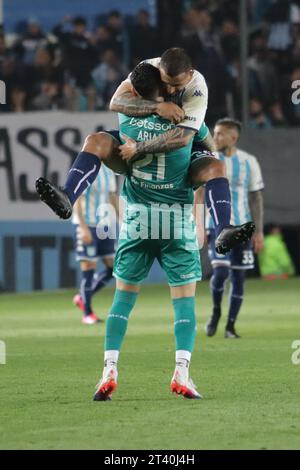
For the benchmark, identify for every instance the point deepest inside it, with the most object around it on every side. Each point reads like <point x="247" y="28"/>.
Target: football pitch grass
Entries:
<point x="250" y="386"/>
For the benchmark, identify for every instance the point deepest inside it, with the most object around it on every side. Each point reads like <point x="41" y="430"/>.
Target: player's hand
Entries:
<point x="258" y="242"/>
<point x="128" y="150"/>
<point x="170" y="111"/>
<point x="86" y="235"/>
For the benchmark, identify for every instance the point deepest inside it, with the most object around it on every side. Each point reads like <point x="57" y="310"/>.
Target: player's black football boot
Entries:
<point x="212" y="325"/>
<point x="230" y="331"/>
<point x="54" y="197"/>
<point x="233" y="235"/>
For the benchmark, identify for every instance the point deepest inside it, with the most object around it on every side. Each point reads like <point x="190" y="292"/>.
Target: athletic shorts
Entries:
<point x="196" y="157"/>
<point x="240" y="257"/>
<point x="115" y="134"/>
<point x="179" y="257"/>
<point x="97" y="249"/>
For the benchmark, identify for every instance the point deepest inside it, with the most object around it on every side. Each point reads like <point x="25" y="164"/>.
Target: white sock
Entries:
<point x="111" y="358"/>
<point x="181" y="354"/>
<point x="183" y="362"/>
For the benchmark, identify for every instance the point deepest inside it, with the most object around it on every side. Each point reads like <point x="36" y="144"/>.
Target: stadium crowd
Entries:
<point x="76" y="69"/>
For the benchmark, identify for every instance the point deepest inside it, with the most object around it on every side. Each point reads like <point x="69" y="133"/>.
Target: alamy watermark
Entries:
<point x="296" y="354"/>
<point x="154" y="221"/>
<point x="296" y="94"/>
<point x="2" y="92"/>
<point x="2" y="353"/>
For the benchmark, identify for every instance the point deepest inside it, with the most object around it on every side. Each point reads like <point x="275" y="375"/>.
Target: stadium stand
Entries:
<point x="76" y="63"/>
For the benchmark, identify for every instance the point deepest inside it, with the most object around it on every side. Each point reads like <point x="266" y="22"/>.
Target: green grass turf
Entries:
<point x="250" y="386"/>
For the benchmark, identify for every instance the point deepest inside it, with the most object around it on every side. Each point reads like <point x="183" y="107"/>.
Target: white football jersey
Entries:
<point x="244" y="176"/>
<point x="94" y="198"/>
<point x="193" y="99"/>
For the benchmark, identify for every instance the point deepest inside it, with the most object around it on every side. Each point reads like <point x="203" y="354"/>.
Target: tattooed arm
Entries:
<point x="133" y="105"/>
<point x="166" y="142"/>
<point x="257" y="211"/>
<point x="123" y="101"/>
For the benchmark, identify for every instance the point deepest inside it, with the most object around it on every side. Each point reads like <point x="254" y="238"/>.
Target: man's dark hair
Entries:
<point x="175" y="61"/>
<point x="114" y="13"/>
<point x="145" y="79"/>
<point x="79" y="20"/>
<point x="230" y="123"/>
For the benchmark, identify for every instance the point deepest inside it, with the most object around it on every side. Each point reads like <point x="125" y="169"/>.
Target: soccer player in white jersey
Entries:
<point x="92" y="219"/>
<point x="246" y="185"/>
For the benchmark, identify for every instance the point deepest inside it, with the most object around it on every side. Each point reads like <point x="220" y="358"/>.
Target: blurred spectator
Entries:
<point x="274" y="260"/>
<point x="296" y="51"/>
<point x="259" y="9"/>
<point x="170" y="15"/>
<point x="276" y="115"/>
<point x="225" y="9"/>
<point x="119" y="35"/>
<point x="50" y="96"/>
<point x="103" y="41"/>
<point x="144" y="42"/>
<point x="79" y="55"/>
<point x="107" y="76"/>
<point x="198" y="23"/>
<point x="291" y="109"/>
<point x="16" y="90"/>
<point x="203" y="45"/>
<point x="42" y="72"/>
<point x="4" y="51"/>
<point x="258" y="118"/>
<point x="90" y="66"/>
<point x="34" y="38"/>
<point x="230" y="40"/>
<point x="265" y="87"/>
<point x="282" y="16"/>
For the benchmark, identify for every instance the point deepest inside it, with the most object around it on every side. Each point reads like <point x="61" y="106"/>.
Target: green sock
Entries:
<point x="117" y="321"/>
<point x="185" y="323"/>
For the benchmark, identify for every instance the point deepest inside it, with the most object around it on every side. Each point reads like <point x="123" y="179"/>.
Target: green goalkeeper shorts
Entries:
<point x="178" y="254"/>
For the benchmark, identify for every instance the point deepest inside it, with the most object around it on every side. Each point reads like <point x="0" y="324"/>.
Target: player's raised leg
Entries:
<point x="98" y="147"/>
<point x="211" y="172"/>
<point x="183" y="298"/>
<point x="116" y="326"/>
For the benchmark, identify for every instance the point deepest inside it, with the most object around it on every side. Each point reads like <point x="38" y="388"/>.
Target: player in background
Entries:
<point x="156" y="186"/>
<point x="90" y="216"/>
<point x="246" y="185"/>
<point x="187" y="88"/>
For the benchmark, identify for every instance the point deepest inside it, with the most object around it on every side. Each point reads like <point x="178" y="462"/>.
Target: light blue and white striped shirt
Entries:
<point x="95" y="197"/>
<point x="244" y="176"/>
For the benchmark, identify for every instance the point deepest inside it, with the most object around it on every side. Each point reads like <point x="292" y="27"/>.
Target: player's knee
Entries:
<point x="220" y="275"/>
<point x="99" y="143"/>
<point x="216" y="169"/>
<point x="86" y="265"/>
<point x="207" y="169"/>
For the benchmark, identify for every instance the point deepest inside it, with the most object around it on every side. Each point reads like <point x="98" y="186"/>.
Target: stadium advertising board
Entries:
<point x="36" y="249"/>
